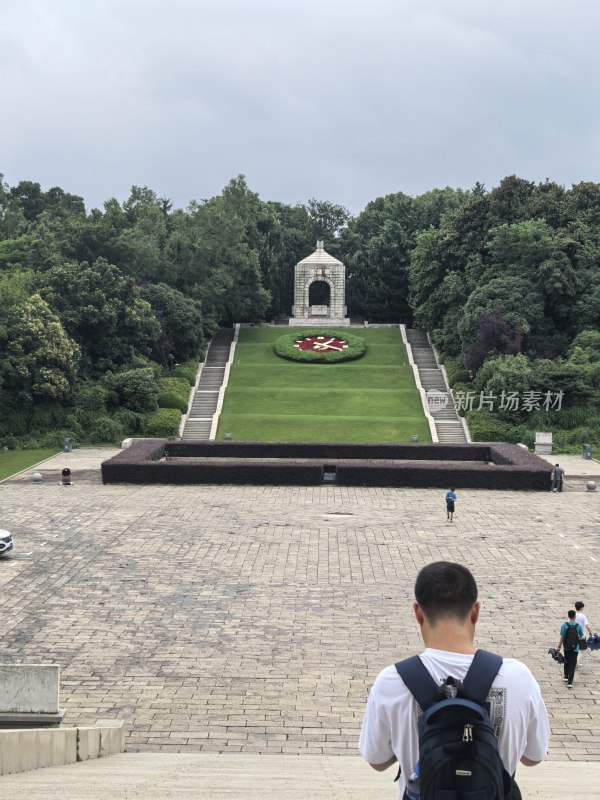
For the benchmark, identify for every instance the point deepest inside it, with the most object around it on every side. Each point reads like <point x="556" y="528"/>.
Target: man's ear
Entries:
<point x="418" y="613"/>
<point x="475" y="612"/>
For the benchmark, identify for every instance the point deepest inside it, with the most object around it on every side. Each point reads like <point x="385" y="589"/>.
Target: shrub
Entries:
<point x="78" y="428"/>
<point x="164" y="423"/>
<point x="174" y="393"/>
<point x="91" y="397"/>
<point x="486" y="427"/>
<point x="55" y="439"/>
<point x="137" y="389"/>
<point x="132" y="422"/>
<point x="48" y="417"/>
<point x="461" y="376"/>
<point x="9" y="441"/>
<point x="172" y="400"/>
<point x="178" y="386"/>
<point x="105" y="429"/>
<point x="30" y="443"/>
<point x="186" y="371"/>
<point x="285" y="347"/>
<point x="84" y="418"/>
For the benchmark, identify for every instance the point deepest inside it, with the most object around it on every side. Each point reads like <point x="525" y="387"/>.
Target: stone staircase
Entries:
<point x="215" y="776"/>
<point x="204" y="403"/>
<point x="447" y="423"/>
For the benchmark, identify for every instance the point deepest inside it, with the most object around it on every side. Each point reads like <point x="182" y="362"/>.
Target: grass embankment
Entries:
<point x="373" y="399"/>
<point x="15" y="460"/>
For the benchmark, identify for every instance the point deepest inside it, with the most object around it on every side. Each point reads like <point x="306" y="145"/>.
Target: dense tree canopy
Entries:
<point x="507" y="281"/>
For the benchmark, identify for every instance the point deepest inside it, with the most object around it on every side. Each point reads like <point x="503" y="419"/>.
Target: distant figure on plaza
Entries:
<point x="570" y="634"/>
<point x="450" y="500"/>
<point x="65" y="479"/>
<point x="580" y="617"/>
<point x="556" y="476"/>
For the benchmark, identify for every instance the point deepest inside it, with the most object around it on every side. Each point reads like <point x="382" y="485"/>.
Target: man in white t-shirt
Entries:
<point x="447" y="611"/>
<point x="580" y="617"/>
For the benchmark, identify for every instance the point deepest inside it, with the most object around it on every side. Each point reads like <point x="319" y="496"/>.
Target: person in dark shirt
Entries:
<point x="450" y="500"/>
<point x="570" y="634"/>
<point x="557" y="476"/>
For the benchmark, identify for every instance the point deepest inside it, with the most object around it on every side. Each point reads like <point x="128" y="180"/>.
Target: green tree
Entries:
<point x="378" y="245"/>
<point x="328" y="219"/>
<point x="517" y="299"/>
<point x="224" y="265"/>
<point x="103" y="311"/>
<point x="37" y="358"/>
<point x="181" y="324"/>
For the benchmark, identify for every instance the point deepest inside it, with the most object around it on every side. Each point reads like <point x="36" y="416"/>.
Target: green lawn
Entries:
<point x="16" y="460"/>
<point x="373" y="399"/>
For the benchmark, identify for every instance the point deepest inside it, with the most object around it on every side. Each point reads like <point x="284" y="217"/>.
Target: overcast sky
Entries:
<point x="335" y="99"/>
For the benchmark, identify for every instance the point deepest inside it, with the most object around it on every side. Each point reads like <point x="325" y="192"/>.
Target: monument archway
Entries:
<point x="319" y="291"/>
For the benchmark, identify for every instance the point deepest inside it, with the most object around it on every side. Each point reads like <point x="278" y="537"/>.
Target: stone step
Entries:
<point x="429" y="383"/>
<point x="223" y="776"/>
<point x="203" y="409"/>
<point x="203" y="398"/>
<point x="210" y="384"/>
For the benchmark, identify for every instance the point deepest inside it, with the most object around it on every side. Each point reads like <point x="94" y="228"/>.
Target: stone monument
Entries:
<point x="319" y="291"/>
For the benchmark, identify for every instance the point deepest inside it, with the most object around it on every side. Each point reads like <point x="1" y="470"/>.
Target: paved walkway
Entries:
<point x="576" y="467"/>
<point x="254" y="619"/>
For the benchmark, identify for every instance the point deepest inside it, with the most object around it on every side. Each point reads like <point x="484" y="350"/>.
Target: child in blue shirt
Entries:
<point x="450" y="498"/>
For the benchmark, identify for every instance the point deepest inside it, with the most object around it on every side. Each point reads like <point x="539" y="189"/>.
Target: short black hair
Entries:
<point x="571" y="614"/>
<point x="445" y="589"/>
<point x="578" y="605"/>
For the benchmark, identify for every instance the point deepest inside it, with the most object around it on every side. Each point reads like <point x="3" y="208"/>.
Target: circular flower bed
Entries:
<point x="320" y="346"/>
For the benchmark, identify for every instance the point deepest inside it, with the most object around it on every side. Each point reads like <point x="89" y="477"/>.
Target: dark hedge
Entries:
<point x="507" y="466"/>
<point x="331" y="450"/>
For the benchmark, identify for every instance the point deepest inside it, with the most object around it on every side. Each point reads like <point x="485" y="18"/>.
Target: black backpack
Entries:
<point x="571" y="637"/>
<point x="458" y="751"/>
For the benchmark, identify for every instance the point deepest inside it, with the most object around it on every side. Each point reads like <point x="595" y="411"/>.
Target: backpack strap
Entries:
<point x="478" y="680"/>
<point x="418" y="681"/>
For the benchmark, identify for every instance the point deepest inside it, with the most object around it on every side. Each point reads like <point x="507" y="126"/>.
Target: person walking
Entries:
<point x="450" y="500"/>
<point x="580" y="617"/>
<point x="557" y="476"/>
<point x="570" y="634"/>
<point x="446" y="610"/>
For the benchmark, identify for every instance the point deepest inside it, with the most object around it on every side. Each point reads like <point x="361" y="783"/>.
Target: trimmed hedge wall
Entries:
<point x="297" y="463"/>
<point x="331" y="450"/>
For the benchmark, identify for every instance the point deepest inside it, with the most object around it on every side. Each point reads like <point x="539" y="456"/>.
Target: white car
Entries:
<point x="6" y="542"/>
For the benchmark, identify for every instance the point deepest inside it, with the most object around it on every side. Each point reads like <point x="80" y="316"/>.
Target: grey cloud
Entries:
<point x="339" y="100"/>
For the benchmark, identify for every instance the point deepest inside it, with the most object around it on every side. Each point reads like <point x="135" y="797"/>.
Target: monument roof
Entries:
<point x="320" y="256"/>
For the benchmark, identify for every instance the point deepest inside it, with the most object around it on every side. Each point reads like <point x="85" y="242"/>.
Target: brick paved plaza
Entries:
<point x="227" y="618"/>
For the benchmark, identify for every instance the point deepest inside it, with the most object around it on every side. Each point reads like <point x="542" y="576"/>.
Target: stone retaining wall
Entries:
<point x="24" y="750"/>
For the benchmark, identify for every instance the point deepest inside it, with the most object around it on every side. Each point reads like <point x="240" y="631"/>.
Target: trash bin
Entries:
<point x="67" y="445"/>
<point x="587" y="451"/>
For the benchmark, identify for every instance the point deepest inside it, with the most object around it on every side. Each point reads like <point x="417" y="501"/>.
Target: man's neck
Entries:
<point x="450" y="636"/>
